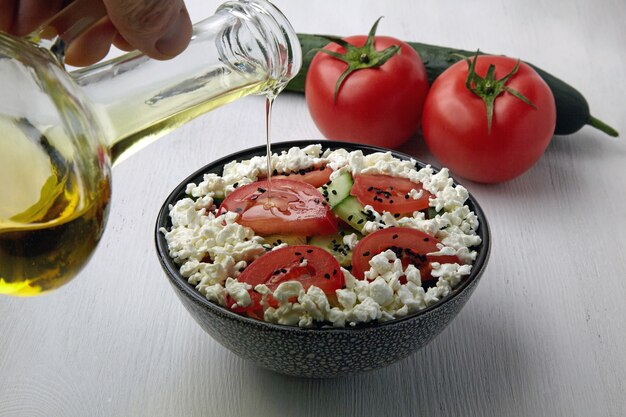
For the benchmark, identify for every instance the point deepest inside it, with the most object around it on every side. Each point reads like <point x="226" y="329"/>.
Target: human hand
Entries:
<point x="160" y="29"/>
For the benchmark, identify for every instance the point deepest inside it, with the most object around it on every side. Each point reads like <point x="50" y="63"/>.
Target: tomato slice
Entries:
<point x="310" y="265"/>
<point x="294" y="207"/>
<point x="410" y="245"/>
<point x="314" y="176"/>
<point x="387" y="193"/>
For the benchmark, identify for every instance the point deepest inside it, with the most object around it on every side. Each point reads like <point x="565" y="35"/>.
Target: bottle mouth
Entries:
<point x="273" y="37"/>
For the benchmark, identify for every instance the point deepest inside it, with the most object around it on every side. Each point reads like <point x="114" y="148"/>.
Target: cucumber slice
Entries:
<point x="334" y="244"/>
<point x="278" y="239"/>
<point x="351" y="211"/>
<point x="431" y="213"/>
<point x="338" y="189"/>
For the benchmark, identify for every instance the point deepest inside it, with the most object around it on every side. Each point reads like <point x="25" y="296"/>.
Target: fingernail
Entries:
<point x="176" y="39"/>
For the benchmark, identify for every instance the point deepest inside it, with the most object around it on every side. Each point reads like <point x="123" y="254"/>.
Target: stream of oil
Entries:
<point x="269" y="101"/>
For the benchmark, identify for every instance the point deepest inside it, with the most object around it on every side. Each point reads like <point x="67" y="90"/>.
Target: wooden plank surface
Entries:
<point x="543" y="335"/>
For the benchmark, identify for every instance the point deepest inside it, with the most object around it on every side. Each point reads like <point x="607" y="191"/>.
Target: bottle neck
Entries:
<point x="247" y="47"/>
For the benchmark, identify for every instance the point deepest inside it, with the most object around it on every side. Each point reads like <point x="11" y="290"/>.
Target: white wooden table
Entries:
<point x="543" y="335"/>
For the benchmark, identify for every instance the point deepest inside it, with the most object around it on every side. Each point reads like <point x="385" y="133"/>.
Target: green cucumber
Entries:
<point x="334" y="244"/>
<point x="431" y="213"/>
<point x="351" y="211"/>
<point x="291" y="240"/>
<point x="572" y="110"/>
<point x="338" y="189"/>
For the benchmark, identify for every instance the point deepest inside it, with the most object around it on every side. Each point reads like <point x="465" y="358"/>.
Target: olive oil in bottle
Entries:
<point x="51" y="218"/>
<point x="60" y="132"/>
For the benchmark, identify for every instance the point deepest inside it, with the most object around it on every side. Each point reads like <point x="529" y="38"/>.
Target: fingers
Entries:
<point x="121" y="43"/>
<point x="91" y="46"/>
<point x="28" y="15"/>
<point x="159" y="28"/>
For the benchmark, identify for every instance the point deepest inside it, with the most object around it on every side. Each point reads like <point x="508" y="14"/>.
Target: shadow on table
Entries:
<point x="472" y="376"/>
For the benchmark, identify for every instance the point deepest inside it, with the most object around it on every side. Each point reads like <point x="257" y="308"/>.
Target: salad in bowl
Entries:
<point x="332" y="237"/>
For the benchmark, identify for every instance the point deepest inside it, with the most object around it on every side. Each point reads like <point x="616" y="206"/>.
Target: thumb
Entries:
<point x="159" y="28"/>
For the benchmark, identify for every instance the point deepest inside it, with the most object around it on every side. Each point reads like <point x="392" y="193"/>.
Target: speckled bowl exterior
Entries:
<point x="322" y="352"/>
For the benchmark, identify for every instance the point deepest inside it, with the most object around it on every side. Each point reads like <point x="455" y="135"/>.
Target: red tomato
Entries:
<point x="455" y="126"/>
<point x="410" y="245"/>
<point x="315" y="176"/>
<point x="294" y="207"/>
<point x="386" y="193"/>
<point x="285" y="264"/>
<point x="379" y="106"/>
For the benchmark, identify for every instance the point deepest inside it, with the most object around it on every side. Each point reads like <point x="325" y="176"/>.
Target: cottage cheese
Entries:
<point x="213" y="250"/>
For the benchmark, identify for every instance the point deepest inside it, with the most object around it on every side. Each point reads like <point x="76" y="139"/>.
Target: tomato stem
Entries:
<point x="489" y="87"/>
<point x="359" y="58"/>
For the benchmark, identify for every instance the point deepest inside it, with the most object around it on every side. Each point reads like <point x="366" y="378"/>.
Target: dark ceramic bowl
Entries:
<point x="322" y="352"/>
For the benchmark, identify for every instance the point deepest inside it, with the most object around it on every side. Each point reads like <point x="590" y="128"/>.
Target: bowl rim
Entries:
<point x="188" y="289"/>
